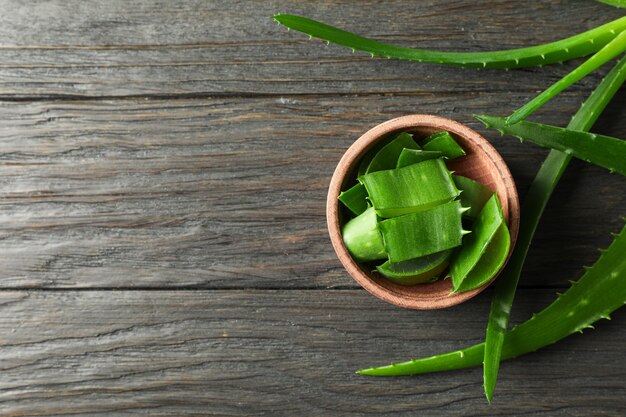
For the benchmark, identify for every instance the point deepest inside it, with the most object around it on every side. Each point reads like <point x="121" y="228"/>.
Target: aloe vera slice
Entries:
<point x="414" y="156"/>
<point x="422" y="233"/>
<point x="473" y="195"/>
<point x="362" y="237"/>
<point x="387" y="156"/>
<point x="416" y="271"/>
<point x="490" y="262"/>
<point x="605" y="151"/>
<point x="475" y="245"/>
<point x="354" y="198"/>
<point x="416" y="187"/>
<point x="445" y="143"/>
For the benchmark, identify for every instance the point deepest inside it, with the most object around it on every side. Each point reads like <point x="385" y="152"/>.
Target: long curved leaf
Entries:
<point x="563" y="50"/>
<point x="600" y="291"/>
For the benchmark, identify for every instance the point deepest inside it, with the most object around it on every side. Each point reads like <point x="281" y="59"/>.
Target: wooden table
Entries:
<point x="163" y="246"/>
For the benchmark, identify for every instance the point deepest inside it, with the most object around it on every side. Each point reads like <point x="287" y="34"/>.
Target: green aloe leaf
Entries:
<point x="604" y="55"/>
<point x="414" y="156"/>
<point x="387" y="156"/>
<point x="423" y="233"/>
<point x="605" y="151"/>
<point x="563" y="50"/>
<point x="362" y="237"/>
<point x="477" y="247"/>
<point x="445" y="143"/>
<point x="600" y="291"/>
<point x="355" y="198"/>
<point x="473" y="194"/>
<point x="410" y="189"/>
<point x="614" y="3"/>
<point x="416" y="271"/>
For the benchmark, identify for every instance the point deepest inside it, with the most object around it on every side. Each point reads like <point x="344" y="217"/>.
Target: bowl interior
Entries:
<point x="482" y="163"/>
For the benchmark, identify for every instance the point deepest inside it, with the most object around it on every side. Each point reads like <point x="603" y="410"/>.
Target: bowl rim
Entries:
<point x="358" y="149"/>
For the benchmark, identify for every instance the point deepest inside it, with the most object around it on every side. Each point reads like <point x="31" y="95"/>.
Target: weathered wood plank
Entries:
<point x="227" y="193"/>
<point x="280" y="353"/>
<point x="89" y="49"/>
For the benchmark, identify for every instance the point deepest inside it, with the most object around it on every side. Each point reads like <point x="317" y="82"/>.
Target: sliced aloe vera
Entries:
<point x="423" y="233"/>
<point x="490" y="262"/>
<point x="362" y="237"/>
<point x="473" y="195"/>
<point x="414" y="156"/>
<point x="387" y="156"/>
<point x="354" y="198"/>
<point x="416" y="271"/>
<point x="414" y="188"/>
<point x="475" y="244"/>
<point x="445" y="143"/>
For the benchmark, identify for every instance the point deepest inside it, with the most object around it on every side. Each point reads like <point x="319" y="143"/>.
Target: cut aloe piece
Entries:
<point x="473" y="195"/>
<point x="414" y="156"/>
<point x="387" y="156"/>
<point x="416" y="271"/>
<point x="490" y="262"/>
<point x="445" y="143"/>
<point x="475" y="244"/>
<point x="414" y="188"/>
<point x="362" y="237"/>
<point x="354" y="198"/>
<point x="423" y="233"/>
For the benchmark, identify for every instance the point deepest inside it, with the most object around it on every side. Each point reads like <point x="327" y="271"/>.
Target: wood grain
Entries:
<point x="280" y="353"/>
<point x="229" y="193"/>
<point x="79" y="49"/>
<point x="163" y="172"/>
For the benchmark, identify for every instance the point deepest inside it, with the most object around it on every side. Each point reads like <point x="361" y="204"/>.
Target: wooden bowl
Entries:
<point x="482" y="163"/>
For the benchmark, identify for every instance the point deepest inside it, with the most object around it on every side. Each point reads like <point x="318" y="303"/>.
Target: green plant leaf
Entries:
<point x="416" y="271"/>
<point x="362" y="237"/>
<point x="387" y="156"/>
<point x="477" y="247"/>
<point x="473" y="195"/>
<point x="355" y="198"/>
<point x="414" y="156"/>
<point x="560" y="51"/>
<point x="445" y="143"/>
<point x="605" y="151"/>
<point x="413" y="188"/>
<point x="614" y="3"/>
<point x="423" y="233"/>
<point x="600" y="291"/>
<point x="607" y="53"/>
<point x="534" y="204"/>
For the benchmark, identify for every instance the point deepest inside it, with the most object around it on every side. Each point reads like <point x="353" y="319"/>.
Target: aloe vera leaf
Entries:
<point x="413" y="188"/>
<point x="563" y="50"/>
<point x="387" y="156"/>
<point x="362" y="237"/>
<point x="414" y="156"/>
<point x="473" y="194"/>
<point x="443" y="142"/>
<point x="355" y="198"/>
<point x="600" y="291"/>
<point x="608" y="52"/>
<point x="614" y="3"/>
<point x="498" y="342"/>
<point x="536" y="200"/>
<point x="475" y="244"/>
<point x="490" y="262"/>
<point x="422" y="233"/>
<point x="605" y="151"/>
<point x="416" y="271"/>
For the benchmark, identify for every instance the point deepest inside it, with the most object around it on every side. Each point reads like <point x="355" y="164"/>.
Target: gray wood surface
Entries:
<point x="163" y="246"/>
